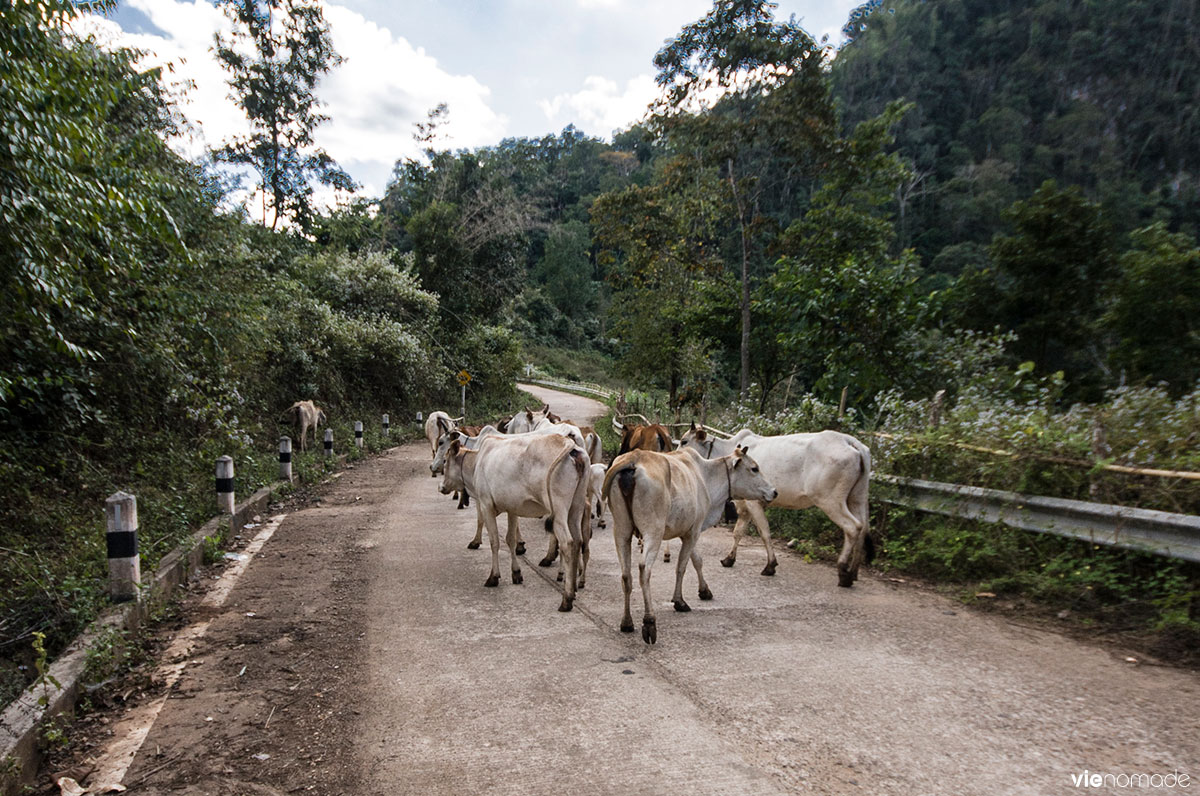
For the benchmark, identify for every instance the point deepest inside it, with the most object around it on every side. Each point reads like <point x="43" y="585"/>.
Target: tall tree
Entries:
<point x="657" y="245"/>
<point x="750" y="96"/>
<point x="276" y="54"/>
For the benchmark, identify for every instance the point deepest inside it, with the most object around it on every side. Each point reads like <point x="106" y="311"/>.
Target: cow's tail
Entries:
<point x="859" y="505"/>
<point x="558" y="460"/>
<point x="626" y="478"/>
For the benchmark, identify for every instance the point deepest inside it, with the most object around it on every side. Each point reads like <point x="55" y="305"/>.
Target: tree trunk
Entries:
<point x="744" y="376"/>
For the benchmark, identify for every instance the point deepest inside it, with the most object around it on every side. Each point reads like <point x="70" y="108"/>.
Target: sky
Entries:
<point x="505" y="68"/>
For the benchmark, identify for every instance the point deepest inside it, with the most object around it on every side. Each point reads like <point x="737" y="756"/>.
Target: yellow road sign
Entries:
<point x="463" y="377"/>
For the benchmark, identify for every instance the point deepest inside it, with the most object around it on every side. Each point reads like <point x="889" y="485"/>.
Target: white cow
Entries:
<point x="595" y="495"/>
<point x="437" y="467"/>
<point x="437" y="424"/>
<point x="305" y="415"/>
<point x="828" y="469"/>
<point x="668" y="495"/>
<point x="531" y="475"/>
<point x="520" y="423"/>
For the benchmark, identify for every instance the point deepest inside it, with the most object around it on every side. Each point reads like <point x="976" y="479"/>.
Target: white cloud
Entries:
<point x="601" y="107"/>
<point x="383" y="87"/>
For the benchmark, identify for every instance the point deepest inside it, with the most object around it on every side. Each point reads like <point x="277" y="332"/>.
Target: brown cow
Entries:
<point x="304" y="415"/>
<point x="647" y="438"/>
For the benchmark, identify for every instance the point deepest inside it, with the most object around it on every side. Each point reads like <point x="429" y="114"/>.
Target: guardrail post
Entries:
<point x="935" y="409"/>
<point x="328" y="443"/>
<point x="358" y="438"/>
<point x="285" y="459"/>
<point x="225" y="496"/>
<point x="124" y="562"/>
<point x="387" y="426"/>
<point x="420" y="417"/>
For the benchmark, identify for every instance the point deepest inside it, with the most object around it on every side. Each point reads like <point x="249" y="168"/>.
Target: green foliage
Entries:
<point x="85" y="192"/>
<point x="657" y="247"/>
<point x="275" y="55"/>
<point x="1154" y="309"/>
<point x="1060" y="239"/>
<point x="565" y="271"/>
<point x="148" y="334"/>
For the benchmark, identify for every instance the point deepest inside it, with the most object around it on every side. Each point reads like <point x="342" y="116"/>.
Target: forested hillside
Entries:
<point x="1102" y="99"/>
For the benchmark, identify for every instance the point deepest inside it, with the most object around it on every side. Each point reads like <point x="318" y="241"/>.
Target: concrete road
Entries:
<point x="432" y="684"/>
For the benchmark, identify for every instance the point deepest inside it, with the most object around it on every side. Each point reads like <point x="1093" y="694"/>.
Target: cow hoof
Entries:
<point x="627" y="626"/>
<point x="492" y="581"/>
<point x="727" y="561"/>
<point x="517" y="577"/>
<point x="845" y="579"/>
<point x="547" y="561"/>
<point x="460" y="507"/>
<point x="649" y="631"/>
<point x="567" y="604"/>
<point x="705" y="594"/>
<point x="682" y="607"/>
<point x="520" y="548"/>
<point x="472" y="545"/>
<point x="769" y="569"/>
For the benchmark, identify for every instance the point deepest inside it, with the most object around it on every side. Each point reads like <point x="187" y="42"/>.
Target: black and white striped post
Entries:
<point x="358" y="440"/>
<point x="124" y="563"/>
<point x="387" y="426"/>
<point x="285" y="458"/>
<point x="225" y="497"/>
<point x="328" y="443"/>
<point x="420" y="417"/>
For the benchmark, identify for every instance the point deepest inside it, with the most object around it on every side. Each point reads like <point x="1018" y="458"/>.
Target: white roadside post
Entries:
<point x="285" y="459"/>
<point x="124" y="563"/>
<point x="328" y="443"/>
<point x="358" y="438"/>
<point x="387" y="426"/>
<point x="225" y="496"/>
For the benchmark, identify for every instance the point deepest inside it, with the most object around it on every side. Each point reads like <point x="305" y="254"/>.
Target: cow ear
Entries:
<point x="454" y="447"/>
<point x="701" y="435"/>
<point x="693" y="425"/>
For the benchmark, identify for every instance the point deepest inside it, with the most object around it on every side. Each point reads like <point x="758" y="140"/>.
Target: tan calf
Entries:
<point x="304" y="415"/>
<point x="667" y="495"/>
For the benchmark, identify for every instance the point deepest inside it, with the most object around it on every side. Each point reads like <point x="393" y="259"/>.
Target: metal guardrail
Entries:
<point x="1158" y="532"/>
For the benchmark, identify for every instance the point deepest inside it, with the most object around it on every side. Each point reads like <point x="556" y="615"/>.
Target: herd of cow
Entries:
<point x="539" y="465"/>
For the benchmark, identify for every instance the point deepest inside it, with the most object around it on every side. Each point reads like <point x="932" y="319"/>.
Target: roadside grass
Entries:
<point x="1151" y="602"/>
<point x="52" y="527"/>
<point x="580" y="366"/>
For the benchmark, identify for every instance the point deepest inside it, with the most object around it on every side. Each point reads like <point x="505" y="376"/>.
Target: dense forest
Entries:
<point x="997" y="199"/>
